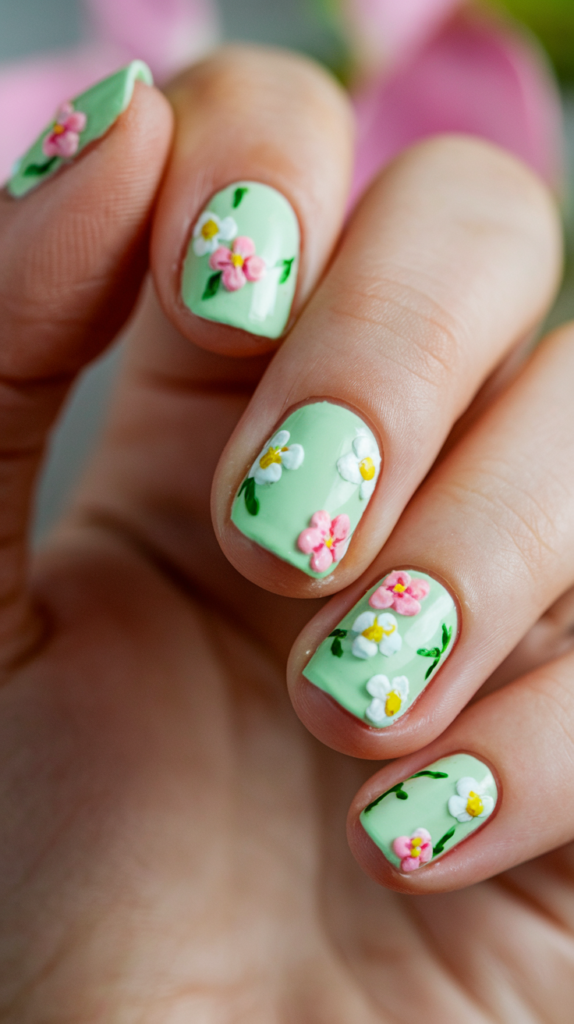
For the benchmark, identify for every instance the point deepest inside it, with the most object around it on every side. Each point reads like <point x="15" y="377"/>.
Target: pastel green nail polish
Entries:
<point x="386" y="650"/>
<point x="77" y="123"/>
<point x="429" y="813"/>
<point x="242" y="261"/>
<point x="309" y="486"/>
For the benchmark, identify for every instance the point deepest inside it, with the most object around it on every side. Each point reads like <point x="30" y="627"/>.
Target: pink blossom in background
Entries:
<point x="326" y="540"/>
<point x="239" y="264"/>
<point x="477" y="76"/>
<point x="386" y="32"/>
<point x="399" y="591"/>
<point x="64" y="138"/>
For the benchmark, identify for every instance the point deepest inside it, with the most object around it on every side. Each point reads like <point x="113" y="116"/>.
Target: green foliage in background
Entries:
<point x="552" y="21"/>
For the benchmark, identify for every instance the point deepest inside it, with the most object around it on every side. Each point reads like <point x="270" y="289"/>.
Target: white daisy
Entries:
<point x="388" y="697"/>
<point x="210" y="231"/>
<point x="471" y="801"/>
<point x="362" y="464"/>
<point x="276" y="456"/>
<point x="377" y="632"/>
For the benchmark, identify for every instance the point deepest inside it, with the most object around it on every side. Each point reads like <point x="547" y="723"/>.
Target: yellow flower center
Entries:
<point x="393" y="704"/>
<point x="209" y="230"/>
<point x="399" y="589"/>
<point x="474" y="805"/>
<point x="58" y="129"/>
<point x="329" y="542"/>
<point x="376" y="632"/>
<point x="237" y="260"/>
<point x="367" y="468"/>
<point x="416" y="844"/>
<point x="271" y="455"/>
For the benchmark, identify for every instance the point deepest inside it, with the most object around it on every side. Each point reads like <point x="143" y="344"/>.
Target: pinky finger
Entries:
<point x="495" y="790"/>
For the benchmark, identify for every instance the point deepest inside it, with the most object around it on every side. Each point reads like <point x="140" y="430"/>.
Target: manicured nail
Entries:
<point x="431" y="812"/>
<point x="309" y="486"/>
<point x="386" y="650"/>
<point x="77" y="123"/>
<point x="242" y="261"/>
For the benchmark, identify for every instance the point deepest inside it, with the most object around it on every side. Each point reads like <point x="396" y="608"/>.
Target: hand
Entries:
<point x="173" y="839"/>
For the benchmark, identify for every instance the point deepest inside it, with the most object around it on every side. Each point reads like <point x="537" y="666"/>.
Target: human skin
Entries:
<point x="173" y="839"/>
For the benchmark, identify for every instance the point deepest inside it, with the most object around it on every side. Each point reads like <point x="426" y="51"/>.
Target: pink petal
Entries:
<point x="64" y="112"/>
<point x="426" y="853"/>
<point x="322" y="521"/>
<point x="402" y="578"/>
<point x="310" y="540"/>
<point x="382" y="598"/>
<point x="254" y="268"/>
<point x="233" y="278"/>
<point x="220" y="259"/>
<point x="402" y="846"/>
<point x="406" y="605"/>
<point x="50" y="146"/>
<point x="419" y="589"/>
<point x="339" y="549"/>
<point x="244" y="246"/>
<point x="322" y="559"/>
<point x="68" y="143"/>
<point x="76" y="122"/>
<point x="340" y="527"/>
<point x="410" y="864"/>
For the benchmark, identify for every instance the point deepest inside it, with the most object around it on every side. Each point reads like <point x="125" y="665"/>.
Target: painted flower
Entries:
<point x="414" y="850"/>
<point x="276" y="456"/>
<point x="64" y="137"/>
<point x="400" y="592"/>
<point x="471" y="800"/>
<point x="239" y="264"/>
<point x="388" y="697"/>
<point x="209" y="232"/>
<point x="326" y="540"/>
<point x="361" y="465"/>
<point x="376" y="633"/>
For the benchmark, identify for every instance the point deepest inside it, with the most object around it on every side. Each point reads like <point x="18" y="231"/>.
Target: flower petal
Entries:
<point x="340" y="527"/>
<point x="363" y="648"/>
<point x="465" y="785"/>
<point x="220" y="259"/>
<point x="382" y="598"/>
<point x="255" y="268"/>
<point x="322" y="559"/>
<point x="379" y="686"/>
<point x="279" y="440"/>
<point x="366" y="489"/>
<point x="244" y="246"/>
<point x="348" y="468"/>
<point x="202" y="219"/>
<point x="390" y="645"/>
<point x="233" y="279"/>
<point x="488" y="804"/>
<point x="457" y="806"/>
<point x="410" y="864"/>
<point x="397" y="576"/>
<point x="309" y="540"/>
<point x="406" y="605"/>
<point x="363" y="621"/>
<point x="401" y="685"/>
<point x="201" y="245"/>
<point x="77" y="121"/>
<point x="322" y="521"/>
<point x="293" y="458"/>
<point x="68" y="144"/>
<point x="363" y="446"/>
<point x="376" y="712"/>
<point x="339" y="549"/>
<point x="402" y="846"/>
<point x="50" y="146"/>
<point x="426" y="853"/>
<point x="227" y="227"/>
<point x="423" y="833"/>
<point x="419" y="589"/>
<point x="270" y="475"/>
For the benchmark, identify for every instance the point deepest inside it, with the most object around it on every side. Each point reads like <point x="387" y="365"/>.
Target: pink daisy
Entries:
<point x="239" y="264"/>
<point x="414" y="850"/>
<point x="399" y="591"/>
<point x="64" y="138"/>
<point x="326" y="540"/>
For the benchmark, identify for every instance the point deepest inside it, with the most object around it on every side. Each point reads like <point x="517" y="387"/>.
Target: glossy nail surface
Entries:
<point x="77" y="123"/>
<point x="431" y="812"/>
<point x="242" y="261"/>
<point x="387" y="649"/>
<point x="309" y="486"/>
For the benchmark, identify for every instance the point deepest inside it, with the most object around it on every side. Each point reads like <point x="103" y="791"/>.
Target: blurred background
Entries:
<point x="501" y="69"/>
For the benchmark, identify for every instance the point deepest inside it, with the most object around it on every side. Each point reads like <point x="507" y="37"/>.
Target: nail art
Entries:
<point x="386" y="650"/>
<point x="76" y="124"/>
<point x="299" y="498"/>
<point x="431" y="812"/>
<point x="242" y="261"/>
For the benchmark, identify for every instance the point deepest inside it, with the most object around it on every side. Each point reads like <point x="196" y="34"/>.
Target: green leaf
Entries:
<point x="212" y="285"/>
<point x="442" y="842"/>
<point x="336" y="648"/>
<point x="251" y="502"/>
<point x="432" y="775"/>
<point x="398" y="790"/>
<point x="430" y="670"/>
<point x="287" y="264"/>
<point x="238" y="196"/>
<point x="339" y="632"/>
<point x="446" y="635"/>
<point x="434" y="652"/>
<point x="37" y="170"/>
<point x="242" y="488"/>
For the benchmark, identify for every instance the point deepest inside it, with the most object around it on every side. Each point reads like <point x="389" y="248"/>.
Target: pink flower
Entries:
<point x="239" y="264"/>
<point x="399" y="591"/>
<point x="413" y="850"/>
<point x="64" y="138"/>
<point x="326" y="539"/>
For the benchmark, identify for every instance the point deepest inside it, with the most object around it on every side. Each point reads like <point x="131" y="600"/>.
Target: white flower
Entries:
<point x="472" y="801"/>
<point x="210" y="231"/>
<point x="276" y="456"/>
<point x="387" y="697"/>
<point x="376" y="633"/>
<point x="361" y="465"/>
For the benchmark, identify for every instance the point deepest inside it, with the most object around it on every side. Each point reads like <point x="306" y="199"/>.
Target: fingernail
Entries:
<point x="242" y="261"/>
<point x="387" y="649"/>
<point x="309" y="486"/>
<point x="430" y="813"/>
<point x="76" y="124"/>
